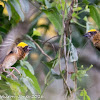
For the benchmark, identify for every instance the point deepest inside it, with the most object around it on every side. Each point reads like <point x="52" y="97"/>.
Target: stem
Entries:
<point x="43" y="89"/>
<point x="47" y="76"/>
<point x="75" y="70"/>
<point x="46" y="83"/>
<point x="60" y="44"/>
<point x="50" y="39"/>
<point x="42" y="50"/>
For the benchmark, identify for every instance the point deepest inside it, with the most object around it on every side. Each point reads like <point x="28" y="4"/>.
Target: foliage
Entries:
<point x="27" y="82"/>
<point x="57" y="12"/>
<point x="55" y="17"/>
<point x="83" y="93"/>
<point x="81" y="73"/>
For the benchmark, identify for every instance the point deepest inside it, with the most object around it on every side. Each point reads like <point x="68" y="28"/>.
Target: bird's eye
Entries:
<point x="91" y="33"/>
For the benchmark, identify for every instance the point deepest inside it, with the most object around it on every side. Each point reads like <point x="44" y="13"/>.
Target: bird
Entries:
<point x="94" y="36"/>
<point x="19" y="52"/>
<point x="13" y="48"/>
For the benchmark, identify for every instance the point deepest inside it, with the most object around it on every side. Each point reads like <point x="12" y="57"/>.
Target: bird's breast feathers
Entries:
<point x="9" y="60"/>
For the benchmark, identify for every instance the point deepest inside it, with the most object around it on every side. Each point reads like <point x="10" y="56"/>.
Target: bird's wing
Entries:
<point x="13" y="37"/>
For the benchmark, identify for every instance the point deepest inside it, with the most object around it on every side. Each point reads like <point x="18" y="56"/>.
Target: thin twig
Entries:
<point x="51" y="44"/>
<point x="75" y="83"/>
<point x="60" y="43"/>
<point x="42" y="50"/>
<point x="39" y="48"/>
<point x="46" y="82"/>
<point x="63" y="76"/>
<point x="66" y="25"/>
<point x="50" y="39"/>
<point x="75" y="70"/>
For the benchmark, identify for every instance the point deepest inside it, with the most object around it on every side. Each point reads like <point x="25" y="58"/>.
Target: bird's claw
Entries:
<point x="14" y="77"/>
<point x="11" y="73"/>
<point x="15" y="70"/>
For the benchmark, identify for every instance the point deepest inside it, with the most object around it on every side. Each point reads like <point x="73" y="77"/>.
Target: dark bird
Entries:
<point x="94" y="36"/>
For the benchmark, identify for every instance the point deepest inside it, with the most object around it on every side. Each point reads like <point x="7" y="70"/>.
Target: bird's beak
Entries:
<point x="87" y="35"/>
<point x="29" y="48"/>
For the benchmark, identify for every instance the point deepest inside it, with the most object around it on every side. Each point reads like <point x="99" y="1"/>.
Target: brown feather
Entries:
<point x="96" y="40"/>
<point x="12" y="39"/>
<point x="12" y="57"/>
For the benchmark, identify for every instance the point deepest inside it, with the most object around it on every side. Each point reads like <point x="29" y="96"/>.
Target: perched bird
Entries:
<point x="94" y="36"/>
<point x="17" y="53"/>
<point x="12" y="49"/>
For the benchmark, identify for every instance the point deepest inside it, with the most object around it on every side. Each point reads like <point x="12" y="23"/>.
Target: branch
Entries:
<point x="39" y="47"/>
<point x="66" y="26"/>
<point x="50" y="39"/>
<point x="42" y="50"/>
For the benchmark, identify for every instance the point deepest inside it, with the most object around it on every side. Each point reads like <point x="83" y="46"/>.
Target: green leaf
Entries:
<point x="75" y="15"/>
<point x="55" y="18"/>
<point x="33" y="80"/>
<point x="95" y="14"/>
<point x="83" y="93"/>
<point x="79" y="24"/>
<point x="41" y="1"/>
<point x="77" y="9"/>
<point x="5" y="88"/>
<point x="88" y="98"/>
<point x="48" y="5"/>
<point x="1" y="39"/>
<point x="89" y="68"/>
<point x="10" y="80"/>
<point x="86" y="2"/>
<point x="16" y="5"/>
<point x="15" y="15"/>
<point x="73" y="76"/>
<point x="73" y="53"/>
<point x="80" y="73"/>
<point x="58" y="5"/>
<point x="3" y="30"/>
<point x="30" y="43"/>
<point x="36" y="33"/>
<point x="28" y="84"/>
<point x="85" y="18"/>
<point x="27" y="64"/>
<point x="52" y="63"/>
<point x="24" y="5"/>
<point x="55" y="75"/>
<point x="8" y="9"/>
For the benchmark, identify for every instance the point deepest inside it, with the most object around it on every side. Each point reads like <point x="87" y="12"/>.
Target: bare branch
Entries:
<point x="39" y="47"/>
<point x="42" y="50"/>
<point x="66" y="25"/>
<point x="50" y="39"/>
